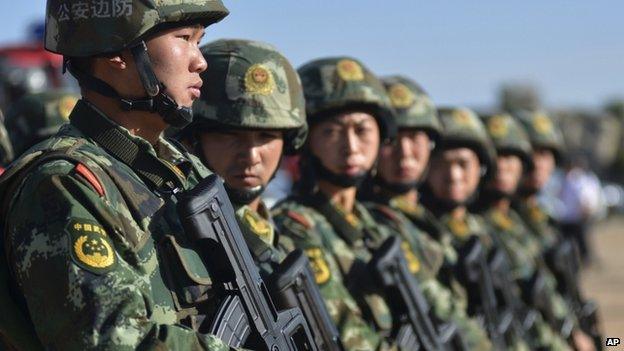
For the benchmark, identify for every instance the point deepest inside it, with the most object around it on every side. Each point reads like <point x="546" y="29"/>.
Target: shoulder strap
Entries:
<point x="114" y="141"/>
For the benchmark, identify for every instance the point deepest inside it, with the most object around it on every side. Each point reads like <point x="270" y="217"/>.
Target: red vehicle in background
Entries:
<point x="28" y="68"/>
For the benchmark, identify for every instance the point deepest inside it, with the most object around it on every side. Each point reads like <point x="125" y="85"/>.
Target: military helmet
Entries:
<point x="414" y="108"/>
<point x="543" y="132"/>
<point x="35" y="117"/>
<point x="335" y="84"/>
<point x="463" y="128"/>
<point x="509" y="137"/>
<point x="250" y="85"/>
<point x="91" y="28"/>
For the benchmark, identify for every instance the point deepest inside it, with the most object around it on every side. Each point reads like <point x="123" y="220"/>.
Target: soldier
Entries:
<point x="349" y="115"/>
<point x="524" y="251"/>
<point x="394" y="197"/>
<point x="252" y="112"/>
<point x="96" y="254"/>
<point x="463" y="157"/>
<point x="36" y="117"/>
<point x="548" y="149"/>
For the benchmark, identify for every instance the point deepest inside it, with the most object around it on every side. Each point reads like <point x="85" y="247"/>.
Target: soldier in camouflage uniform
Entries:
<point x="349" y="115"/>
<point x="394" y="202"/>
<point x="36" y="117"/>
<point x="250" y="113"/>
<point x="95" y="255"/>
<point x="513" y="160"/>
<point x="547" y="150"/>
<point x="463" y="157"/>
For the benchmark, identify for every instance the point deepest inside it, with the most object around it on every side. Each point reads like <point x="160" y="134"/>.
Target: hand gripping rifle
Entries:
<point x="246" y="317"/>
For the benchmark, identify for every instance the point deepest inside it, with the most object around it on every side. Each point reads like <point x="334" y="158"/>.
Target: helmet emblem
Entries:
<point x="497" y="126"/>
<point x="349" y="70"/>
<point x="542" y="123"/>
<point x="259" y="80"/>
<point x="401" y="96"/>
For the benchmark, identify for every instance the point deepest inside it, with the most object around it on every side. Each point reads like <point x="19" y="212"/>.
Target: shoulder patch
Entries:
<point x="459" y="227"/>
<point x="91" y="247"/>
<point x="299" y="218"/>
<point x="86" y="173"/>
<point x="319" y="265"/>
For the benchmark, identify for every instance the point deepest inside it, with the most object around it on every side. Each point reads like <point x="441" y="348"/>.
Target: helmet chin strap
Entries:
<point x="396" y="188"/>
<point x="341" y="180"/>
<point x="244" y="196"/>
<point x="157" y="99"/>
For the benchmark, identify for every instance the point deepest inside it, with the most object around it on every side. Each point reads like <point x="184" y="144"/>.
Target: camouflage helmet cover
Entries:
<point x="35" y="117"/>
<point x="251" y="85"/>
<point x="93" y="27"/>
<point x="463" y="128"/>
<point x="509" y="136"/>
<point x="341" y="83"/>
<point x="414" y="108"/>
<point x="543" y="133"/>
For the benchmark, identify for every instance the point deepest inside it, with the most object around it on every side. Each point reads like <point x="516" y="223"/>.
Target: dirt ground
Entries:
<point x="604" y="280"/>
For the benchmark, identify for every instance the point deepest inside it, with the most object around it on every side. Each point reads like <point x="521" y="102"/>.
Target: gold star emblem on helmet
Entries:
<point x="463" y="118"/>
<point x="542" y="123"/>
<point x="259" y="80"/>
<point x="349" y="70"/>
<point x="497" y="126"/>
<point x="401" y="96"/>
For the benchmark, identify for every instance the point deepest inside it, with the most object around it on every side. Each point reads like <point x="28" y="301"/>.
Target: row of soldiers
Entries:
<point x="96" y="252"/>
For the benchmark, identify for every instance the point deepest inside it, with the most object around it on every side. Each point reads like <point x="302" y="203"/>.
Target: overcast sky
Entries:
<point x="460" y="51"/>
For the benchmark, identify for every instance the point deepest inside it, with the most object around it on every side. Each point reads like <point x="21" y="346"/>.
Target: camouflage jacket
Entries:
<point x="524" y="252"/>
<point x="267" y="247"/>
<point x="540" y="223"/>
<point x="425" y="257"/>
<point x="99" y="256"/>
<point x="334" y="262"/>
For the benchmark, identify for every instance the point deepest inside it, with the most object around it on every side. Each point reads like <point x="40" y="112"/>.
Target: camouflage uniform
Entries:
<point x="96" y="252"/>
<point x="339" y="244"/>
<point x="338" y="248"/>
<point x="512" y="235"/>
<point x="36" y="117"/>
<point x="542" y="133"/>
<point x="426" y="257"/>
<point x="463" y="128"/>
<point x="250" y="85"/>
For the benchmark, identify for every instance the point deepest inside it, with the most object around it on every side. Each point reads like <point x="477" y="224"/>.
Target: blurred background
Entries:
<point x="564" y="56"/>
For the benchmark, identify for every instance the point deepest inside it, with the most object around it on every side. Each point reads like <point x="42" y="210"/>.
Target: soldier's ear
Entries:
<point x="118" y="61"/>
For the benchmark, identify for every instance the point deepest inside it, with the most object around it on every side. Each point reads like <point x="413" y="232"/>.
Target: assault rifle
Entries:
<point x="474" y="273"/>
<point x="417" y="331"/>
<point x="246" y="317"/>
<point x="293" y="285"/>
<point x="563" y="261"/>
